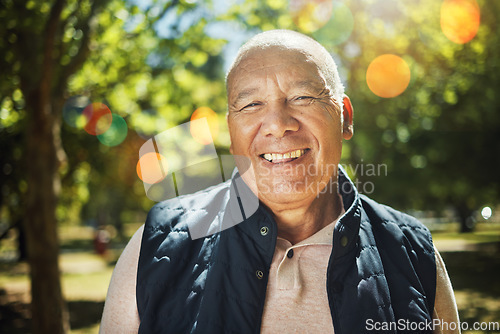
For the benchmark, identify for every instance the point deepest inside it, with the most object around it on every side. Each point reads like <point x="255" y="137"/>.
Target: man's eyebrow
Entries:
<point x="244" y="94"/>
<point x="307" y="84"/>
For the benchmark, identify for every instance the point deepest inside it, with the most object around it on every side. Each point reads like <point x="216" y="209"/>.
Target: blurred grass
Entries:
<point x="85" y="279"/>
<point x="473" y="264"/>
<point x="483" y="233"/>
<point x="472" y="260"/>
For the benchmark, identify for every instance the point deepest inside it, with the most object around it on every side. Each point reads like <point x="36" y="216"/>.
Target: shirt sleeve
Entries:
<point x="445" y="307"/>
<point x="120" y="313"/>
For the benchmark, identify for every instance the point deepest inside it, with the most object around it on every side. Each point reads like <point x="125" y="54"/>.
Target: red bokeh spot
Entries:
<point x="98" y="118"/>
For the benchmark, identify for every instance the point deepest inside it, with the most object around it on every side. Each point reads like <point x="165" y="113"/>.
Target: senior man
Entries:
<point x="315" y="257"/>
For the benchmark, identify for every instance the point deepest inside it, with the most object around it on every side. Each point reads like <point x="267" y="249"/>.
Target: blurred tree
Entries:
<point x="39" y="54"/>
<point x="440" y="138"/>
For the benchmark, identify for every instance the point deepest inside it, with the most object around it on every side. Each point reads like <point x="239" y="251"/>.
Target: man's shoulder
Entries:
<point x="167" y="214"/>
<point x="386" y="214"/>
<point x="388" y="223"/>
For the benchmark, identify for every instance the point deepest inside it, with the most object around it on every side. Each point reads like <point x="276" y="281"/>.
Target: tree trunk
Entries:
<point x="49" y="314"/>
<point x="465" y="215"/>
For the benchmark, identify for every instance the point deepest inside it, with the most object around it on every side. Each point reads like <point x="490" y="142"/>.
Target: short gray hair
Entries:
<point x="291" y="40"/>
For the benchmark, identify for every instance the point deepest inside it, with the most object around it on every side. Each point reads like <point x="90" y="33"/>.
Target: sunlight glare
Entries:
<point x="486" y="212"/>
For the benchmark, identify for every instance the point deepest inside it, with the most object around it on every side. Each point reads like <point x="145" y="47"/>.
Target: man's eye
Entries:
<point x="303" y="100"/>
<point x="250" y="105"/>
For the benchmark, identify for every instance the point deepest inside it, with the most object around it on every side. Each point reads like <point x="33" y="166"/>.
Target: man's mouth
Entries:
<point x="277" y="158"/>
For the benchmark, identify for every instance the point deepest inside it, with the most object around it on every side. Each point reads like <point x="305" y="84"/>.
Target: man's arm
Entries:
<point x="120" y="310"/>
<point x="445" y="306"/>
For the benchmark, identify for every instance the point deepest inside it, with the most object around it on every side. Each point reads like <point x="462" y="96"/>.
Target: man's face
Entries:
<point x="283" y="118"/>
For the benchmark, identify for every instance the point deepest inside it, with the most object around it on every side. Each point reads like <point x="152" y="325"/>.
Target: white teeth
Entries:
<point x="278" y="156"/>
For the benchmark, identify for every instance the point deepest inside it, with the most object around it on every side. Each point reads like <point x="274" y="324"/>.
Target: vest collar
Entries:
<point x="261" y="227"/>
<point x="346" y="232"/>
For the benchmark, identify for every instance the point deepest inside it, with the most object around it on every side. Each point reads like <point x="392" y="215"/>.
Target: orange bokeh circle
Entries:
<point x="200" y="132"/>
<point x="152" y="167"/>
<point x="460" y="20"/>
<point x="388" y="75"/>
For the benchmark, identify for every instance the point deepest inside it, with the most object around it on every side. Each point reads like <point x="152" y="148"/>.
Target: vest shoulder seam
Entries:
<point x="372" y="276"/>
<point x="410" y="226"/>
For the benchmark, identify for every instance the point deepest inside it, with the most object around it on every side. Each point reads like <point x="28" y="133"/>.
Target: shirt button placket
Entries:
<point x="264" y="230"/>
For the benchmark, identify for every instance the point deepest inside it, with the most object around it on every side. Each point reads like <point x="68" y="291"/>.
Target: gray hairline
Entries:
<point x="292" y="40"/>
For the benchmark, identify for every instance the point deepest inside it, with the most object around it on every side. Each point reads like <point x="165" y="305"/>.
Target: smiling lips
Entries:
<point x="277" y="158"/>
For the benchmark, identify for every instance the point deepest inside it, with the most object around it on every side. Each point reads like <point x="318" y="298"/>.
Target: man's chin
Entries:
<point x="289" y="192"/>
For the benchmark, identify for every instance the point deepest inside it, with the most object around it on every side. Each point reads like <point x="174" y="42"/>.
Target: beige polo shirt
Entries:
<point x="296" y="298"/>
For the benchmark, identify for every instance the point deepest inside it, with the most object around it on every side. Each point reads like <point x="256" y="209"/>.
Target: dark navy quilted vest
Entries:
<point x="381" y="270"/>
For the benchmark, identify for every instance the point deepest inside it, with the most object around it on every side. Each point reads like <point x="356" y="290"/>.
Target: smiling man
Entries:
<point x="285" y="114"/>
<point x="315" y="257"/>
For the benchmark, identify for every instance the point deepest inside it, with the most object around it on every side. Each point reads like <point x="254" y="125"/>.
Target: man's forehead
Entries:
<point x="262" y="62"/>
<point x="284" y="56"/>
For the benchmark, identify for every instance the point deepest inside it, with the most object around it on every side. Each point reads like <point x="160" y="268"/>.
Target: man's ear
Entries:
<point x="347" y="129"/>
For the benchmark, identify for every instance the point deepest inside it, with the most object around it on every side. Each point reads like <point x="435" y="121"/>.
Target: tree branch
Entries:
<point x="63" y="47"/>
<point x="81" y="56"/>
<point x="164" y="11"/>
<point x="51" y="28"/>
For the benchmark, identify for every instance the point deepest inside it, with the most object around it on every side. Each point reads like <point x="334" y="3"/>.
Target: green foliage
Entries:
<point x="440" y="138"/>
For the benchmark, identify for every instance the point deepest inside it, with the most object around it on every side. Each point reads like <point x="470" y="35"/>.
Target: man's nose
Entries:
<point x="278" y="119"/>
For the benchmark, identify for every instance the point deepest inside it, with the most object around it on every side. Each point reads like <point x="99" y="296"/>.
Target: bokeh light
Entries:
<point x="73" y="111"/>
<point x="310" y="15"/>
<point x="98" y="118"/>
<point x="116" y="133"/>
<point x="460" y="20"/>
<point x="486" y="212"/>
<point x="388" y="75"/>
<point x="202" y="133"/>
<point x="152" y="167"/>
<point x="339" y="26"/>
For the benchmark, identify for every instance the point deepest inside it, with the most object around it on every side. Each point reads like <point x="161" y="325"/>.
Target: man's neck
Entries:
<point x="299" y="223"/>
